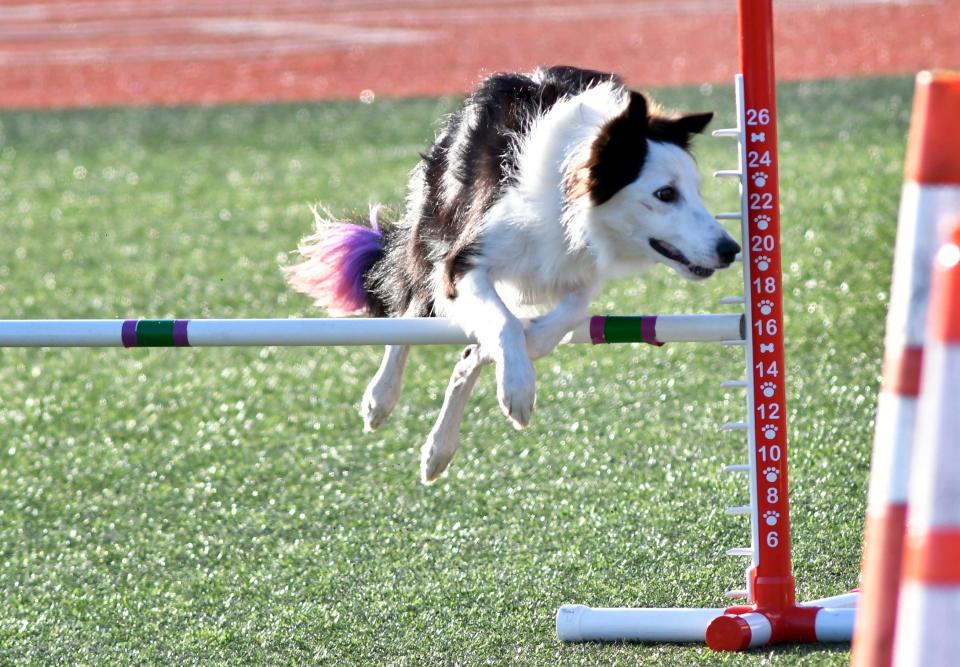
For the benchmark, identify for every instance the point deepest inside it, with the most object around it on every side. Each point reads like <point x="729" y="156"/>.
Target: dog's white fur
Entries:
<point x="545" y="255"/>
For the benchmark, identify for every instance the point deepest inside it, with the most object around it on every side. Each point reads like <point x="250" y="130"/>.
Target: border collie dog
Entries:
<point x="538" y="190"/>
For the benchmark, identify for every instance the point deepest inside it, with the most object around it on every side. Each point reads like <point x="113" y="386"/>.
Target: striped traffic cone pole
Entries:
<point x="931" y="189"/>
<point x="927" y="621"/>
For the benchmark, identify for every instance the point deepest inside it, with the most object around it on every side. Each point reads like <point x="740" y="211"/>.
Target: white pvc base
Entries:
<point x="835" y="624"/>
<point x="760" y="628"/>
<point x="579" y="623"/>
<point x="845" y="601"/>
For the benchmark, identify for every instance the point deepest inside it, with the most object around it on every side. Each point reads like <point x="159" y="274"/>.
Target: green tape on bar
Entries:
<point x="631" y="329"/>
<point x="155" y="333"/>
<point x="623" y="329"/>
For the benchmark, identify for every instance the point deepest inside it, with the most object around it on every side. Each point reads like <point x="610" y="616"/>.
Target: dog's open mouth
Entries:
<point x="673" y="254"/>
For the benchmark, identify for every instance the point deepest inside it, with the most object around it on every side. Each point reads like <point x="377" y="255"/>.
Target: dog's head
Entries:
<point x="643" y="188"/>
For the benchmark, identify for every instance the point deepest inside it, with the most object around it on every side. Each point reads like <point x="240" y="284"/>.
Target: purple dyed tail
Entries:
<point x="336" y="259"/>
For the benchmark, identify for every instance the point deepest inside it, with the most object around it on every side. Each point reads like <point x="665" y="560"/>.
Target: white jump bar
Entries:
<point x="653" y="329"/>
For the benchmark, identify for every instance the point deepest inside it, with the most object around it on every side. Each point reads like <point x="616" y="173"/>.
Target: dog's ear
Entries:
<point x="695" y="123"/>
<point x="680" y="130"/>
<point x="618" y="152"/>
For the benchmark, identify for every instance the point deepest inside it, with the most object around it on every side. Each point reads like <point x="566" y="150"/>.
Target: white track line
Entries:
<point x="251" y="27"/>
<point x="427" y="10"/>
<point x="265" y="39"/>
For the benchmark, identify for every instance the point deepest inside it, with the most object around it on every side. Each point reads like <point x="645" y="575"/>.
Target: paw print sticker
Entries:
<point x="770" y="431"/>
<point x="771" y="517"/>
<point x="768" y="388"/>
<point x="766" y="307"/>
<point x="760" y="178"/>
<point x="763" y="221"/>
<point x="762" y="262"/>
<point x="771" y="474"/>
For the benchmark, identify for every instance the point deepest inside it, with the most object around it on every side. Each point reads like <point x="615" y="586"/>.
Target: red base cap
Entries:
<point x="729" y="633"/>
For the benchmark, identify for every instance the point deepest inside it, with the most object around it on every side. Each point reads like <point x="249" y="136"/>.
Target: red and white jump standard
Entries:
<point x="926" y="632"/>
<point x="771" y="613"/>
<point x="931" y="192"/>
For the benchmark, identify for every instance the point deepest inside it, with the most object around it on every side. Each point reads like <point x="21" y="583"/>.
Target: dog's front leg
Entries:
<point x="444" y="438"/>
<point x="544" y="333"/>
<point x="478" y="310"/>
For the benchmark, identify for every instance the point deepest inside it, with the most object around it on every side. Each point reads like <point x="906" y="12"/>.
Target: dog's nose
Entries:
<point x="727" y="250"/>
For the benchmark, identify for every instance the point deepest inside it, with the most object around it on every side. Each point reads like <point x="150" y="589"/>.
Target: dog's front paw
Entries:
<point x="516" y="389"/>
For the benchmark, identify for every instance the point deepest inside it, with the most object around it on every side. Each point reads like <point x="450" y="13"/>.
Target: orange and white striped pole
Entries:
<point x="927" y="621"/>
<point x="930" y="192"/>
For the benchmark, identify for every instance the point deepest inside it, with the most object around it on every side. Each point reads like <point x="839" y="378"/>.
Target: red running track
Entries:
<point x="55" y="53"/>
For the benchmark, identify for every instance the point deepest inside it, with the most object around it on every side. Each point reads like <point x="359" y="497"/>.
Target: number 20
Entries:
<point x="763" y="242"/>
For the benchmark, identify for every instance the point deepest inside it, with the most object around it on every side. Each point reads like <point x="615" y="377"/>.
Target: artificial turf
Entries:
<point x="224" y="507"/>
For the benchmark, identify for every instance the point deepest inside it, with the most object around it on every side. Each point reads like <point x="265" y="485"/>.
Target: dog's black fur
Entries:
<point x="477" y="146"/>
<point x="536" y="191"/>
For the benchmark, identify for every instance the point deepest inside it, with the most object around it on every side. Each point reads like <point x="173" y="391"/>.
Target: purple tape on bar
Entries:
<point x="597" y="323"/>
<point x="648" y="329"/>
<point x="128" y="333"/>
<point x="180" y="333"/>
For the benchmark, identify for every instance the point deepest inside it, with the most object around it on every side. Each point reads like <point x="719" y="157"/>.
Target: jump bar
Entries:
<point x="652" y="329"/>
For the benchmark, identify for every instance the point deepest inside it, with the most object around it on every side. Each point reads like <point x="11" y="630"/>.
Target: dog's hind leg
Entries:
<point x="444" y="438"/>
<point x="383" y="392"/>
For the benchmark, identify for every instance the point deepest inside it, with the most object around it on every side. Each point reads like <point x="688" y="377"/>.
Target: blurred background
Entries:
<point x="59" y="53"/>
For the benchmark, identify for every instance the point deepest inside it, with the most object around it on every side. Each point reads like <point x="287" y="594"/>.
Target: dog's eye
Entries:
<point x="667" y="194"/>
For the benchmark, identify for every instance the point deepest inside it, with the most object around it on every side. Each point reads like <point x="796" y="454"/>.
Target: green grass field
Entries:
<point x="224" y="507"/>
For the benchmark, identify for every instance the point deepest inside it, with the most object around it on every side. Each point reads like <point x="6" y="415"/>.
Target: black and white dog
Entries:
<point x="538" y="190"/>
